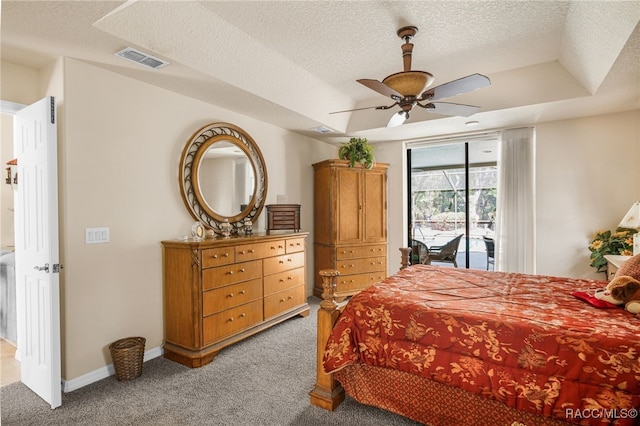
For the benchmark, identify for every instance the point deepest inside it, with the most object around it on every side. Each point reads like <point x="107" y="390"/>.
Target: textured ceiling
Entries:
<point x="292" y="63"/>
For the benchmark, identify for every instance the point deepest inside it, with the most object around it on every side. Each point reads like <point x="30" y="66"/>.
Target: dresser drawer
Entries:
<point x="283" y="301"/>
<point x="230" y="296"/>
<point x="359" y="266"/>
<point x="358" y="282"/>
<point x="229" y="274"/>
<point x="273" y="265"/>
<point x="217" y="256"/>
<point x="283" y="280"/>
<point x="354" y="252"/>
<point x="294" y="245"/>
<point x="259" y="250"/>
<point x="231" y="321"/>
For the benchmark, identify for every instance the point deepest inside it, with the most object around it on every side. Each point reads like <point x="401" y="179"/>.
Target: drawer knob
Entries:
<point x="215" y="256"/>
<point x="289" y="278"/>
<point x="282" y="300"/>
<point x="242" y="252"/>
<point x="290" y="297"/>
<point x="242" y="315"/>
<point x="242" y="292"/>
<point x="281" y="280"/>
<point x="280" y="261"/>
<point x="230" y="295"/>
<point x="289" y="260"/>
<point x="230" y="272"/>
<point x="242" y="269"/>
<point x="252" y="251"/>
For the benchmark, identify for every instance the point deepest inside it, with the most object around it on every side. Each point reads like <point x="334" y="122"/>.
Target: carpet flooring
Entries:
<point x="263" y="380"/>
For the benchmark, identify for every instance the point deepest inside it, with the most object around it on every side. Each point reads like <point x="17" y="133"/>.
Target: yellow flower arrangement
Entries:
<point x="606" y="242"/>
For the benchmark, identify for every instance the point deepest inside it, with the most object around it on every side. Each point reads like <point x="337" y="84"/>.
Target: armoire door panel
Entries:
<point x="375" y="207"/>
<point x="349" y="188"/>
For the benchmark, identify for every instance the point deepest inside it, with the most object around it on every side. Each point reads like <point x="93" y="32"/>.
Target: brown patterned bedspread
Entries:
<point x="520" y="339"/>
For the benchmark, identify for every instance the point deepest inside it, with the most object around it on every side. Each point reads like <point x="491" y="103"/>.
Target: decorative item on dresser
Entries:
<point x="350" y="222"/>
<point x="283" y="217"/>
<point x="220" y="291"/>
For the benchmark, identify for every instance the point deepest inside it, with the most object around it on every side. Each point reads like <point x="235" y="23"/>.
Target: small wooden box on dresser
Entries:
<point x="350" y="224"/>
<point x="220" y="291"/>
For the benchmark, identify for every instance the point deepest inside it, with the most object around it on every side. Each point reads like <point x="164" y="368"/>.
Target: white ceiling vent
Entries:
<point x="142" y="58"/>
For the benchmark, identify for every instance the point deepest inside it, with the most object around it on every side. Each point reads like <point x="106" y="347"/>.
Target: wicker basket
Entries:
<point x="127" y="355"/>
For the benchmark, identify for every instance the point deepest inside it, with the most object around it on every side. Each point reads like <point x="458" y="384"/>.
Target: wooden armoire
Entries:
<point x="350" y="224"/>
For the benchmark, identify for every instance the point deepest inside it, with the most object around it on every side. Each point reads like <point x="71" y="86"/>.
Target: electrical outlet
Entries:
<point x="96" y="235"/>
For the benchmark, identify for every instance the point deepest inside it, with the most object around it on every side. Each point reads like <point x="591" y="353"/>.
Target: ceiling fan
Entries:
<point x="408" y="88"/>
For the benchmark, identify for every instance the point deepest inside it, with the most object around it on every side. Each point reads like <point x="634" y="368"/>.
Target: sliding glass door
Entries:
<point x="452" y="202"/>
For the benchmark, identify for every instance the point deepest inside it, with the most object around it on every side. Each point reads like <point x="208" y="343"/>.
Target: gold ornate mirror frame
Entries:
<point x="190" y="185"/>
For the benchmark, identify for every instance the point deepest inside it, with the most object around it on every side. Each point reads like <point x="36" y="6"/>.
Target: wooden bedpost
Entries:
<point x="406" y="253"/>
<point x="328" y="393"/>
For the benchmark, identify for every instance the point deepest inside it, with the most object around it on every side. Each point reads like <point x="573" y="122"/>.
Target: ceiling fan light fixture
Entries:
<point x="398" y="118"/>
<point x="409" y="83"/>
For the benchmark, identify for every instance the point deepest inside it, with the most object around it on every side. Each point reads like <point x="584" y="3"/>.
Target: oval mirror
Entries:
<point x="222" y="176"/>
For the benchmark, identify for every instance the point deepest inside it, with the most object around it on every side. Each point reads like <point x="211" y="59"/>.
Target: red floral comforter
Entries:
<point x="521" y="339"/>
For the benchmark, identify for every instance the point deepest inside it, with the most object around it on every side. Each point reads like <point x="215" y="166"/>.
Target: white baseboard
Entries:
<point x="103" y="373"/>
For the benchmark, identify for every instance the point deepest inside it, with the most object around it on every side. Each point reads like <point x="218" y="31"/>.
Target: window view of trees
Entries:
<point x="438" y="205"/>
<point x="439" y="201"/>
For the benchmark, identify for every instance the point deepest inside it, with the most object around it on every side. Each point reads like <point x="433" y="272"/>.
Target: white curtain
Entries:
<point x="515" y="216"/>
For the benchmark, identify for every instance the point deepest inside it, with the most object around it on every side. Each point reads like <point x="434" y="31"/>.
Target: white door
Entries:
<point x="36" y="245"/>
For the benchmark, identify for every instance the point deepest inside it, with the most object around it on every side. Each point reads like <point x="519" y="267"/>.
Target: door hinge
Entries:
<point x="56" y="268"/>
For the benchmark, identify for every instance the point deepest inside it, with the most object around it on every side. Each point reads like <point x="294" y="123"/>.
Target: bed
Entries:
<point x="447" y="346"/>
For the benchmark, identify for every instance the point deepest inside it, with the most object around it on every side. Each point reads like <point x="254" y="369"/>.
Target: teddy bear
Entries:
<point x="623" y="290"/>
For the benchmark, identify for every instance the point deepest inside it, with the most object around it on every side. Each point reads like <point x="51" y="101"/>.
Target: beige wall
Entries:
<point x="587" y="178"/>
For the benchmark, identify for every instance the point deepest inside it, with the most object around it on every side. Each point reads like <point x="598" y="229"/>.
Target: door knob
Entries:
<point x="42" y="268"/>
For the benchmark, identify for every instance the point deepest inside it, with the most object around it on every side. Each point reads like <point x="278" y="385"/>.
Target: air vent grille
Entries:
<point x="142" y="58"/>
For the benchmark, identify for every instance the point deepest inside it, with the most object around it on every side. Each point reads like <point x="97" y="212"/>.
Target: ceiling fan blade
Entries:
<point x="447" y="108"/>
<point x="381" y="88"/>
<point x="457" y="87"/>
<point x="360" y="109"/>
<point x="398" y="118"/>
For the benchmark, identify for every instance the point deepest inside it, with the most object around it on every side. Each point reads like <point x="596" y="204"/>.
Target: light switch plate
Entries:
<point x="96" y="235"/>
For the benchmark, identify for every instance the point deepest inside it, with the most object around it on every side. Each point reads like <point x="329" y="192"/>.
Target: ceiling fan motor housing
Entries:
<point x="409" y="83"/>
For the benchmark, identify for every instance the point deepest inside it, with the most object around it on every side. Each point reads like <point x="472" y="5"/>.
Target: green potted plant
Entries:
<point x="606" y="242"/>
<point x="357" y="150"/>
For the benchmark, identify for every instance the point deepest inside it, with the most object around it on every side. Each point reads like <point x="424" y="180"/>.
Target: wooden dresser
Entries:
<point x="350" y="224"/>
<point x="220" y="291"/>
